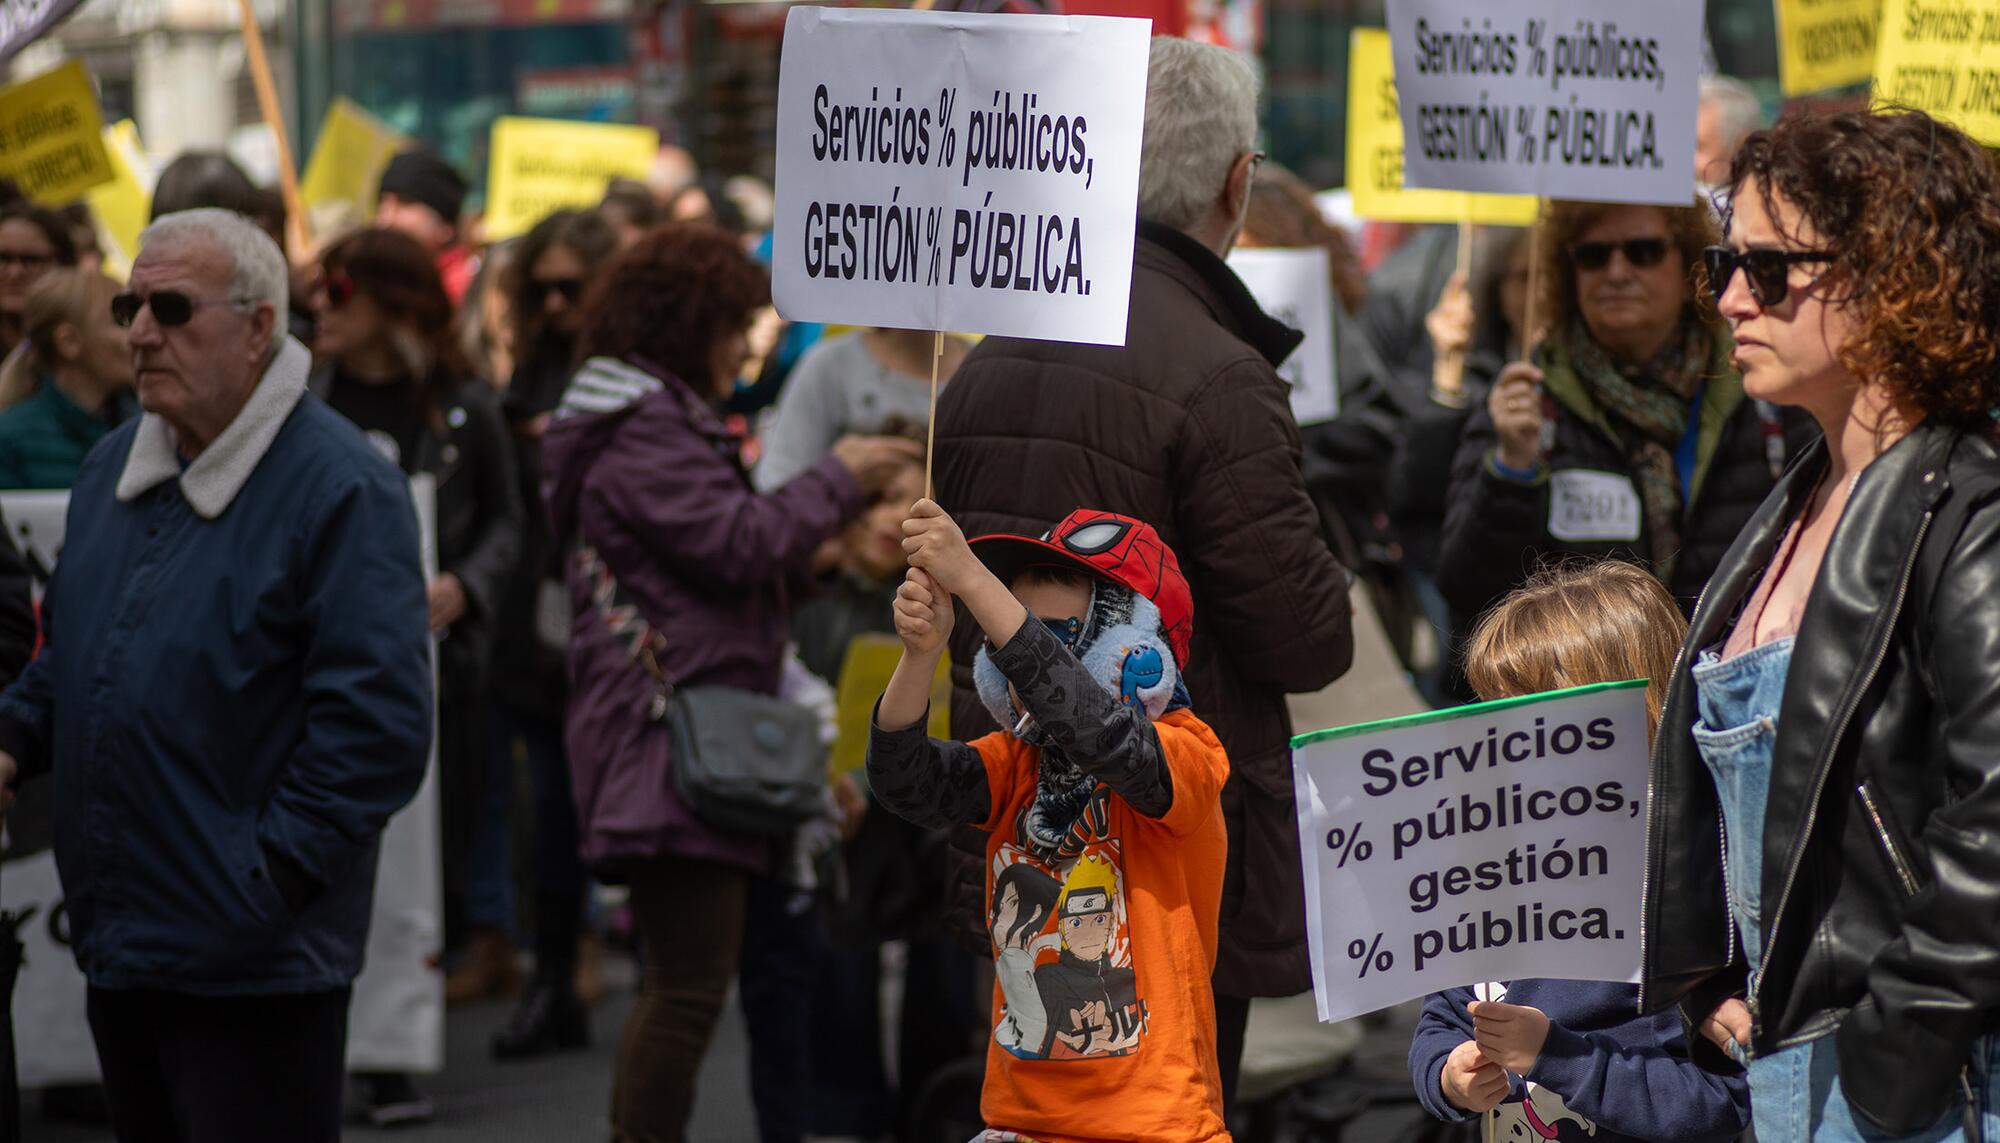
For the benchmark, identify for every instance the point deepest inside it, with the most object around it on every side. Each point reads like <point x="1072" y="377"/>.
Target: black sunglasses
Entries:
<point x="170" y="307"/>
<point x="1769" y="272"/>
<point x="570" y="288"/>
<point x="1640" y="252"/>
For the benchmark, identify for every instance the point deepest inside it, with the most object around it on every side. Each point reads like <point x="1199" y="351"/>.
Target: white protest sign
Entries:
<point x="1296" y="287"/>
<point x="396" y="1017"/>
<point x="1575" y="99"/>
<point x="960" y="172"/>
<point x="1493" y="842"/>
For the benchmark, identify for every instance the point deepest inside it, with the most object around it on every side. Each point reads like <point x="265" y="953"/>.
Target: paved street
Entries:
<point x="562" y="1098"/>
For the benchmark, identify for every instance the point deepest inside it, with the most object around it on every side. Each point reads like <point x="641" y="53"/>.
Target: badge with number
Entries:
<point x="1587" y="506"/>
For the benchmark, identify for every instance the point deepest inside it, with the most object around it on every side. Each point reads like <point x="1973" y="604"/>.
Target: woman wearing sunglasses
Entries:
<point x="1823" y="895"/>
<point x="1629" y="435"/>
<point x="546" y="272"/>
<point x="389" y="360"/>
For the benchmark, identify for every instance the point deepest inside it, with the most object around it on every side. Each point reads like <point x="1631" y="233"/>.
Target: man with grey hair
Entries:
<point x="1727" y="113"/>
<point x="233" y="694"/>
<point x="1189" y="428"/>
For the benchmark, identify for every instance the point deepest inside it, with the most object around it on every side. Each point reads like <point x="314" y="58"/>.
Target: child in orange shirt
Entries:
<point x="1104" y="864"/>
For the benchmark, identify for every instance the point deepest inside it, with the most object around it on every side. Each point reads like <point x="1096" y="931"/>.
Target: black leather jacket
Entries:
<point x="1881" y="866"/>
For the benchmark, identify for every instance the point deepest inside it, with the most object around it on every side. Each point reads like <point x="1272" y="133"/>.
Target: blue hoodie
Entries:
<point x="1602" y="1065"/>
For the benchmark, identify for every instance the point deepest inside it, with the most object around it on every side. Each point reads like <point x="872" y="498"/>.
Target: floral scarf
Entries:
<point x="1648" y="407"/>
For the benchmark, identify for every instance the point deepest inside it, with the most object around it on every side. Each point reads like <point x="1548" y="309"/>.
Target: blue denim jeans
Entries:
<point x="1795" y="1095"/>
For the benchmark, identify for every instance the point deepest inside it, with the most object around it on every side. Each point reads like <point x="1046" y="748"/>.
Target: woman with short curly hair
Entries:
<point x="1823" y="897"/>
<point x="1629" y="435"/>
<point x="651" y="503"/>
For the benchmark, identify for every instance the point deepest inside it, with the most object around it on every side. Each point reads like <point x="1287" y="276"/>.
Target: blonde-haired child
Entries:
<point x="1564" y="1055"/>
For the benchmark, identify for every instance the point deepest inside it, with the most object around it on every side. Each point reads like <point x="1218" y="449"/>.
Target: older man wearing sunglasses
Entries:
<point x="1627" y="435"/>
<point x="234" y="695"/>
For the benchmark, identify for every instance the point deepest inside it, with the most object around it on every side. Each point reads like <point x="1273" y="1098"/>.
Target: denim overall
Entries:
<point x="1794" y="1093"/>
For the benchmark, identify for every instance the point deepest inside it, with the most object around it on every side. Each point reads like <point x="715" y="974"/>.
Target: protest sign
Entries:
<point x="1575" y="99"/>
<point x="348" y="158"/>
<point x="51" y="136"/>
<point x="396" y="1017"/>
<point x="1296" y="287"/>
<point x="1944" y="58"/>
<point x="24" y="21"/>
<point x="1825" y="43"/>
<point x="122" y="206"/>
<point x="540" y="166"/>
<point x="1375" y="152"/>
<point x="1491" y="842"/>
<point x="977" y="173"/>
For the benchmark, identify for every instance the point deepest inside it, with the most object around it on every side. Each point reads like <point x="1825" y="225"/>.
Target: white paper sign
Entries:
<point x="946" y="171"/>
<point x="1575" y="99"/>
<point x="1296" y="287"/>
<point x="1587" y="506"/>
<point x="396" y="1017"/>
<point x="1492" y="842"/>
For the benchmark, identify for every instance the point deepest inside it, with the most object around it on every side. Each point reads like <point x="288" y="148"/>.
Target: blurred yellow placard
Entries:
<point x="1824" y="44"/>
<point x="864" y="675"/>
<point x="123" y="205"/>
<point x="348" y="157"/>
<point x="540" y="166"/>
<point x="1944" y="59"/>
<point x="1375" y="152"/>
<point x="51" y="136"/>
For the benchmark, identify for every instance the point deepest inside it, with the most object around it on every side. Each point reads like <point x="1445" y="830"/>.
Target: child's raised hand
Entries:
<point x="1471" y="1081"/>
<point x="923" y="614"/>
<point x="1510" y="1035"/>
<point x="934" y="543"/>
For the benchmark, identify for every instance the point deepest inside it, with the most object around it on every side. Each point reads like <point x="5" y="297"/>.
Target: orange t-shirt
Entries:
<point x="1104" y="1025"/>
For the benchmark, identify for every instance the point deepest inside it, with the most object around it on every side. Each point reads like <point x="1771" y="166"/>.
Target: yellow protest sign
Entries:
<point x="1825" y="44"/>
<point x="348" y="157"/>
<point x="540" y="166"/>
<point x="1375" y="151"/>
<point x="51" y="136"/>
<point x="864" y="675"/>
<point x="123" y="205"/>
<point x="1943" y="58"/>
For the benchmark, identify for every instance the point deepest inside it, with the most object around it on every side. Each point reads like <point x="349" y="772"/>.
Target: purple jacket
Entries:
<point x="641" y="469"/>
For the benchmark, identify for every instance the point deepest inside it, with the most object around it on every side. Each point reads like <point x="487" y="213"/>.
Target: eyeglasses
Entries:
<point x="1768" y="272"/>
<point x="571" y="289"/>
<point x="1639" y="252"/>
<point x="170" y="307"/>
<point x="15" y="260"/>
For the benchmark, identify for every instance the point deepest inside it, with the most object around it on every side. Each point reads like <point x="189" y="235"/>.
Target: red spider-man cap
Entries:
<point x="1108" y="546"/>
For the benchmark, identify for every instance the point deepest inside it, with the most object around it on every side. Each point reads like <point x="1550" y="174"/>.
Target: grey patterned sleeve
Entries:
<point x="1107" y="738"/>
<point x="934" y="784"/>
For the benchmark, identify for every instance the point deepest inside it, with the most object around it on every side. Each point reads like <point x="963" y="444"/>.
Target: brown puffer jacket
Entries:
<point x="1188" y="428"/>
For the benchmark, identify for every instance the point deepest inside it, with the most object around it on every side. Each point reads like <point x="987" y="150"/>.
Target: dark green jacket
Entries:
<point x="44" y="439"/>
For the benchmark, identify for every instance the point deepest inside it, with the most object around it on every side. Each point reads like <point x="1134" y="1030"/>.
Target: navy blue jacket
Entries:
<point x="1628" y="1074"/>
<point x="235" y="680"/>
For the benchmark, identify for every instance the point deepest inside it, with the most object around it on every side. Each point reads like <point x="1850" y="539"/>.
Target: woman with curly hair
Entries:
<point x="647" y="492"/>
<point x="1629" y="435"/>
<point x="1823" y="890"/>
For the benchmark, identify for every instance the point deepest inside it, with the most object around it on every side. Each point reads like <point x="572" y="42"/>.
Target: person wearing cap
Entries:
<point x="422" y="195"/>
<point x="1185" y="424"/>
<point x="1106" y="783"/>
